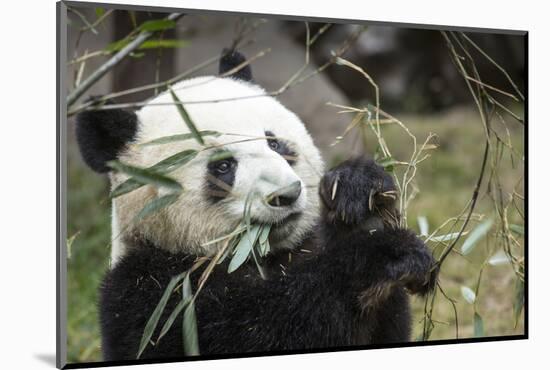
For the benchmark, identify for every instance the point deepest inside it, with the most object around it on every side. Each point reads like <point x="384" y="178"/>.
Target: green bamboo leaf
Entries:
<point x="170" y="321"/>
<point x="155" y="316"/>
<point x="99" y="12"/>
<point x="476" y="235"/>
<point x="263" y="240"/>
<point x="261" y="269"/>
<point x="468" y="294"/>
<point x="135" y="55"/>
<point x="234" y="233"/>
<point x="156" y="204"/>
<point x="157" y="25"/>
<point x="186" y="118"/>
<point x="228" y="250"/>
<point x="244" y="248"/>
<point x="164" y="44"/>
<point x="132" y="15"/>
<point x="174" y="162"/>
<point x="518" y="229"/>
<point x="117" y="45"/>
<point x="127" y="186"/>
<point x="149" y="44"/>
<point x="145" y="175"/>
<point x="423" y="225"/>
<point x="190" y="332"/>
<point x="446" y="237"/>
<point x="264" y="234"/>
<point x="166" y="165"/>
<point x="180" y="137"/>
<point x="478" y="325"/>
<point x="220" y="155"/>
<point x="389" y="163"/>
<point x="519" y="299"/>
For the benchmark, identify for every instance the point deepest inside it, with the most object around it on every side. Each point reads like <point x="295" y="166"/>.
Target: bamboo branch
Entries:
<point x="113" y="61"/>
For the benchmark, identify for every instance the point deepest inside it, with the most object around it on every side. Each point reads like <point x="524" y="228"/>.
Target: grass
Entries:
<point x="446" y="181"/>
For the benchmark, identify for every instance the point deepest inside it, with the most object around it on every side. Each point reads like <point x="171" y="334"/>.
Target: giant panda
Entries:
<point x="338" y="273"/>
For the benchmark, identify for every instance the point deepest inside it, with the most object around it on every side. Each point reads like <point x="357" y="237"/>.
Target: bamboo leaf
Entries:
<point x="476" y="235"/>
<point x="446" y="237"/>
<point x="145" y="175"/>
<point x="156" y="205"/>
<point x="117" y="45"/>
<point x="174" y="162"/>
<point x="244" y="248"/>
<point x="389" y="163"/>
<point x="166" y="165"/>
<point x="478" y="325"/>
<point x="423" y="225"/>
<point x="263" y="240"/>
<point x="186" y="118"/>
<point x="155" y="316"/>
<point x="468" y="294"/>
<point x="180" y="137"/>
<point x="190" y="332"/>
<point x="149" y="44"/>
<point x="518" y="229"/>
<point x="127" y="186"/>
<point x="499" y="258"/>
<point x="136" y="55"/>
<point x="228" y="251"/>
<point x="238" y="231"/>
<point x="220" y="155"/>
<point x="157" y="25"/>
<point x="170" y="321"/>
<point x="261" y="269"/>
<point x="164" y="44"/>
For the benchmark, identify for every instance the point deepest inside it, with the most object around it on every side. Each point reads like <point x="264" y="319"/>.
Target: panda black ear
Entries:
<point x="231" y="59"/>
<point x="103" y="134"/>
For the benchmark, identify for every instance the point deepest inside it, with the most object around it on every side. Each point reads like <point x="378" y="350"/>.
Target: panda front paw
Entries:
<point x="410" y="263"/>
<point x="355" y="191"/>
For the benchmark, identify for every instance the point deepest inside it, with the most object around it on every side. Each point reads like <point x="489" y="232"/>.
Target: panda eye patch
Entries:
<point x="281" y="147"/>
<point x="223" y="166"/>
<point x="221" y="170"/>
<point x="273" y="144"/>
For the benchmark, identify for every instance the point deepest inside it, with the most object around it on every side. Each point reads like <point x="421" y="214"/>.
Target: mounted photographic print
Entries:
<point x="235" y="185"/>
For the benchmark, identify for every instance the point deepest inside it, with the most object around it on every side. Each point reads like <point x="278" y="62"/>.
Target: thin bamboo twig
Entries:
<point x="343" y="48"/>
<point x="494" y="63"/>
<point x="114" y="60"/>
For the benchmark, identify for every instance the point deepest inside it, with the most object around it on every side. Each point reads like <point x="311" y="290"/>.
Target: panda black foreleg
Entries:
<point x="380" y="256"/>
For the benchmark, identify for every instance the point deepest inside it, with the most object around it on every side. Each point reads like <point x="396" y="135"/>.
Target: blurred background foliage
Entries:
<point x="418" y="84"/>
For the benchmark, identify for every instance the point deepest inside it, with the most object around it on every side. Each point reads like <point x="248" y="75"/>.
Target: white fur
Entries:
<point x="192" y="220"/>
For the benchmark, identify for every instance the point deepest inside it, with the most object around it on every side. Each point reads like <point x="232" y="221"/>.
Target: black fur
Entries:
<point x="282" y="148"/>
<point x="231" y="59"/>
<point x="350" y="291"/>
<point x="219" y="183"/>
<point x="103" y="134"/>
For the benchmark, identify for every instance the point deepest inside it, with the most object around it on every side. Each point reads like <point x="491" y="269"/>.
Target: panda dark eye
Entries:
<point x="223" y="167"/>
<point x="281" y="147"/>
<point x="274" y="145"/>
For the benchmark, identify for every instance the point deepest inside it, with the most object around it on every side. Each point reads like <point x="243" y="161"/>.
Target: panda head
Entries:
<point x="263" y="148"/>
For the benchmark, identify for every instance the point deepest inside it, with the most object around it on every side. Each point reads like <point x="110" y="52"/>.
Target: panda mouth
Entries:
<point x="282" y="229"/>
<point x="287" y="220"/>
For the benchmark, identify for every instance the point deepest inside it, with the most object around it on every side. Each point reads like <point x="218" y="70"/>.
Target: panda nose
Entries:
<point x="286" y="196"/>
